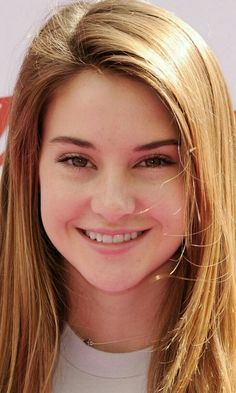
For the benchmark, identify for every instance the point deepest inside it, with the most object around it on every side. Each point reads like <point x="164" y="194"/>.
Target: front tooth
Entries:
<point x="118" y="238"/>
<point x="107" y="239"/>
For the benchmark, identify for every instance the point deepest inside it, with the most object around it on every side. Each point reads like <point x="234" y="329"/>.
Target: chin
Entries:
<point x="117" y="286"/>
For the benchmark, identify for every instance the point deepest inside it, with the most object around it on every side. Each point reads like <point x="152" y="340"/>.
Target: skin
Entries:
<point x="108" y="184"/>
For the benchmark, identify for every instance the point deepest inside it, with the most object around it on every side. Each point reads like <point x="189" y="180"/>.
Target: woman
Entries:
<point x="118" y="208"/>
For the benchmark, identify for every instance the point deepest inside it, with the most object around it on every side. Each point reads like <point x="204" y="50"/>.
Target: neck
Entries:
<point x="116" y="322"/>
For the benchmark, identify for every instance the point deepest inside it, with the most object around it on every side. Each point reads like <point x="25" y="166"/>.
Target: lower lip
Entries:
<point x="113" y="248"/>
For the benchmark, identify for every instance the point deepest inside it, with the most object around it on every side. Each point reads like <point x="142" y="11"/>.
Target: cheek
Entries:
<point x="59" y="206"/>
<point x="168" y="207"/>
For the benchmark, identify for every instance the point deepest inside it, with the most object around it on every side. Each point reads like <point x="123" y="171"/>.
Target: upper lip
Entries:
<point x="112" y="231"/>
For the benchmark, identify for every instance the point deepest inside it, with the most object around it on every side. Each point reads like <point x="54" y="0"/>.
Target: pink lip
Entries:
<point x="112" y="249"/>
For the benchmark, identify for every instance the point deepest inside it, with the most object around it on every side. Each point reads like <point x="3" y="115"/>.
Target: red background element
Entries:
<point x="4" y="110"/>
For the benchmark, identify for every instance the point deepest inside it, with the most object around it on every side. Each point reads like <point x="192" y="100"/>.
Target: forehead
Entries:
<point x="108" y="107"/>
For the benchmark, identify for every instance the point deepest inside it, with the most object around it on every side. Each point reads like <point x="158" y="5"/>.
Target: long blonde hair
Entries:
<point x="197" y="349"/>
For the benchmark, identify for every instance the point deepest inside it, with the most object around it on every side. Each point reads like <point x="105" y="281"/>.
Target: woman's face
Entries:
<point x="112" y="196"/>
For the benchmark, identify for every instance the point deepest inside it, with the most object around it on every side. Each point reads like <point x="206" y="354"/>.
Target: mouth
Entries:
<point x="113" y="239"/>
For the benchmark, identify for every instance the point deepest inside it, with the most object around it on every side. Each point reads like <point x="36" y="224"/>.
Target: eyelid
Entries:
<point x="66" y="156"/>
<point x="169" y="151"/>
<point x="63" y="158"/>
<point x="72" y="155"/>
<point x="166" y="157"/>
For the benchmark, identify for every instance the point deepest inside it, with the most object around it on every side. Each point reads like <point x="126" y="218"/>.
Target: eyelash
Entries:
<point x="161" y="161"/>
<point x="67" y="158"/>
<point x="155" y="161"/>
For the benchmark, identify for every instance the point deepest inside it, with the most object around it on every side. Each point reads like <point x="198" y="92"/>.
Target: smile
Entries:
<point x="112" y="239"/>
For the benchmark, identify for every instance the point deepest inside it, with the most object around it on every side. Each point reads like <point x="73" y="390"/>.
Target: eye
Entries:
<point x="76" y="161"/>
<point x="156" y="162"/>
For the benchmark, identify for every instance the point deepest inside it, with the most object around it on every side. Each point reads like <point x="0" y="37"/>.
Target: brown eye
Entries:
<point x="156" y="161"/>
<point x="76" y="161"/>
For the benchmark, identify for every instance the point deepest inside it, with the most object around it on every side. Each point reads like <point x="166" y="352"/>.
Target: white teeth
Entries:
<point x="127" y="237"/>
<point x="92" y="235"/>
<point x="118" y="238"/>
<point x="99" y="237"/>
<point x="108" y="239"/>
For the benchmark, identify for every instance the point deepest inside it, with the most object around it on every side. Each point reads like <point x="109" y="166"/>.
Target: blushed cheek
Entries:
<point x="168" y="209"/>
<point x="60" y="209"/>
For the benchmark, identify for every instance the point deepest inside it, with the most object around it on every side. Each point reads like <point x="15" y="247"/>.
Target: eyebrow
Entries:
<point x="74" y="141"/>
<point x="155" y="144"/>
<point x="83" y="143"/>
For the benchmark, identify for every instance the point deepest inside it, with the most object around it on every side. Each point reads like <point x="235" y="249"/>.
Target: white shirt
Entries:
<point x="83" y="369"/>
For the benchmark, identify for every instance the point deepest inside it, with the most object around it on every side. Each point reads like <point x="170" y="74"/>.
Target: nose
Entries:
<point x="113" y="198"/>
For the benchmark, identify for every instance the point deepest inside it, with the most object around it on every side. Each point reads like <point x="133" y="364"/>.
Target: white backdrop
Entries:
<point x="214" y="19"/>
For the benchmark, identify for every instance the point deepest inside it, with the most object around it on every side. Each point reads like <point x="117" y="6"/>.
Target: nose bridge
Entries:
<point x="113" y="197"/>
